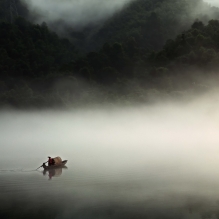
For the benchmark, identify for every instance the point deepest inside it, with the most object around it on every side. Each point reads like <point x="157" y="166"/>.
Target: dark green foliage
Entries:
<point x="199" y="46"/>
<point x="29" y="50"/>
<point x="5" y="13"/>
<point x="150" y="22"/>
<point x="143" y="55"/>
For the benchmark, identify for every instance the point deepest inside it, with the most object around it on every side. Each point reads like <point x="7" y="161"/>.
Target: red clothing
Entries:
<point x="50" y="161"/>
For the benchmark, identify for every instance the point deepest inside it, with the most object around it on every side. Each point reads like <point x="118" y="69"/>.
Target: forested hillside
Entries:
<point x="195" y="48"/>
<point x="135" y="63"/>
<point x="151" y="23"/>
<point x="6" y="10"/>
<point x="30" y="50"/>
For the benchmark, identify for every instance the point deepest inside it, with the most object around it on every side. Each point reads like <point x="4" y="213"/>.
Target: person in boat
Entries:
<point x="51" y="161"/>
<point x="44" y="165"/>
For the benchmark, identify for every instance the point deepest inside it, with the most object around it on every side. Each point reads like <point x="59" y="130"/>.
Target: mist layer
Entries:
<point x="74" y="12"/>
<point x="213" y="2"/>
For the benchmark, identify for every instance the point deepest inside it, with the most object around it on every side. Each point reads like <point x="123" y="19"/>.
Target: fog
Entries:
<point x="146" y="161"/>
<point x="213" y="2"/>
<point x="178" y="136"/>
<point x="74" y="12"/>
<point x="80" y="13"/>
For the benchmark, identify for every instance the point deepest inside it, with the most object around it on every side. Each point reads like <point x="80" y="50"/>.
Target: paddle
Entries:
<point x="41" y="165"/>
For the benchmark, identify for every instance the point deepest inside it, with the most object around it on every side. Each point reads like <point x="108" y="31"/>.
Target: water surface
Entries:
<point x="142" y="162"/>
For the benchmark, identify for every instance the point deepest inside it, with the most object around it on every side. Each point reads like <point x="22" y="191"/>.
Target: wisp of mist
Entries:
<point x="74" y="12"/>
<point x="213" y="2"/>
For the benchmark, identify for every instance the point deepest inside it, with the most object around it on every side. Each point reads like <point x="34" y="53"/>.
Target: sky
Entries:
<point x="76" y="12"/>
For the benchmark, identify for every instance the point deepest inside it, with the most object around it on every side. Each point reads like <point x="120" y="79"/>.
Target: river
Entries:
<point x="142" y="162"/>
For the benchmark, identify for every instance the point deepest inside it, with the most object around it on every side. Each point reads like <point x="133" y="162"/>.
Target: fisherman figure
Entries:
<point x="44" y="165"/>
<point x="50" y="161"/>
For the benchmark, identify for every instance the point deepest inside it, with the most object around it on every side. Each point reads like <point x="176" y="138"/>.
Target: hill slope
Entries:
<point x="150" y="22"/>
<point x="40" y="69"/>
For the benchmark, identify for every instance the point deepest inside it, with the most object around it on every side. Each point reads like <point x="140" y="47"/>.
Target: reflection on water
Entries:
<point x="79" y="195"/>
<point x="56" y="172"/>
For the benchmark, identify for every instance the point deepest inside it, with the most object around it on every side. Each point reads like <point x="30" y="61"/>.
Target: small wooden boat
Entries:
<point x="61" y="165"/>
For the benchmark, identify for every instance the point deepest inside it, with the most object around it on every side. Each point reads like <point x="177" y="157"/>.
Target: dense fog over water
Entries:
<point x="145" y="161"/>
<point x="120" y="138"/>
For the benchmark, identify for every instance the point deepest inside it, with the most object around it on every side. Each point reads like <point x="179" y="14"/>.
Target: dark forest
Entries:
<point x="152" y="49"/>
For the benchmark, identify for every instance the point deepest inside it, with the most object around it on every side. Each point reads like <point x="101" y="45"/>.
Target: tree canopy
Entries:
<point x="142" y="53"/>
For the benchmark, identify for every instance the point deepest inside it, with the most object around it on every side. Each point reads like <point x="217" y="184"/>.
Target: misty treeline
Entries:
<point x="150" y="50"/>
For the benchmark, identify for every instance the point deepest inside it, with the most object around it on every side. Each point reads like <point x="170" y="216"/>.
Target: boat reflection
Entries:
<point x="56" y="172"/>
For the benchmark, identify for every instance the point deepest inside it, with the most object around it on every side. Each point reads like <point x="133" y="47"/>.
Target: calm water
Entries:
<point x="147" y="162"/>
